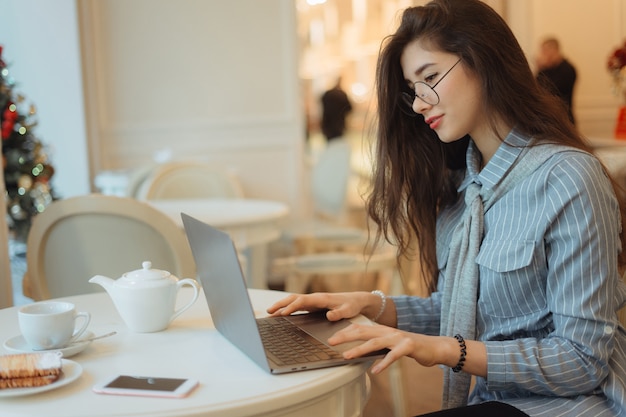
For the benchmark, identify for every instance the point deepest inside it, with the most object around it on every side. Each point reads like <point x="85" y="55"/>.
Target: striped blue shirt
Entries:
<point x="549" y="287"/>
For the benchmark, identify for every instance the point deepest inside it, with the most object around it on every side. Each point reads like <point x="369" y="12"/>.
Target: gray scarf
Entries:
<point x="460" y="292"/>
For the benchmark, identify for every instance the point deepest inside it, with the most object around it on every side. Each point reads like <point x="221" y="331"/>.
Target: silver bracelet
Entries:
<point x="383" y="299"/>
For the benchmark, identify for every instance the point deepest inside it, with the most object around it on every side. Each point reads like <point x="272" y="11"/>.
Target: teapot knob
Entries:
<point x="146" y="265"/>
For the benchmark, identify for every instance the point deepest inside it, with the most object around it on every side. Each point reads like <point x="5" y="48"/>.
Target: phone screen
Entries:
<point x="145" y="383"/>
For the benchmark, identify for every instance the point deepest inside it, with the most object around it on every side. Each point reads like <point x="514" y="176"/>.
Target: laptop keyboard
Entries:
<point x="287" y="344"/>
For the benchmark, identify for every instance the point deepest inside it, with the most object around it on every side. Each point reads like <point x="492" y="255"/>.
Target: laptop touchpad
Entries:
<point x="317" y="325"/>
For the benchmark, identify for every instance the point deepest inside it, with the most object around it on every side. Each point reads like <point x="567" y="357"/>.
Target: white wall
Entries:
<point x="202" y="79"/>
<point x="41" y="47"/>
<point x="197" y="79"/>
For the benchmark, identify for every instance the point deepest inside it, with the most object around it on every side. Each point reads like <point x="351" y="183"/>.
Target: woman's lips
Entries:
<point x="434" y="122"/>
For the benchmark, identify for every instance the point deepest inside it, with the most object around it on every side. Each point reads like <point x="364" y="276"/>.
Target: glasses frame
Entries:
<point x="409" y="98"/>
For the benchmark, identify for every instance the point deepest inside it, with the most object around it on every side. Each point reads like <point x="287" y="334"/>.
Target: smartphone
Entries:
<point x="147" y="386"/>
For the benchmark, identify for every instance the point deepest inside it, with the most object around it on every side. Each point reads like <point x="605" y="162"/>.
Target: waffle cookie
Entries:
<point x="29" y="369"/>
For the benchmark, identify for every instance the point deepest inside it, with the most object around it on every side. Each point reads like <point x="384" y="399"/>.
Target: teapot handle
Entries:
<point x="196" y="291"/>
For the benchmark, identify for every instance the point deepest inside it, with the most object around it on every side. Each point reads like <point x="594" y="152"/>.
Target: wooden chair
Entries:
<point x="79" y="237"/>
<point x="327" y="243"/>
<point x="189" y="179"/>
<point x="137" y="178"/>
<point x="329" y="222"/>
<point x="342" y="271"/>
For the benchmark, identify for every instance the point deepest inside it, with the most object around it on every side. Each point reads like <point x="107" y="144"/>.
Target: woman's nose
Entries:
<point x="420" y="106"/>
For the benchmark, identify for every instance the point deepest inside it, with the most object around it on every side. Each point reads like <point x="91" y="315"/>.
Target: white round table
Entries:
<point x="230" y="383"/>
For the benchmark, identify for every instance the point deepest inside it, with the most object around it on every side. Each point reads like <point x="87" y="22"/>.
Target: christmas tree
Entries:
<point x="27" y="171"/>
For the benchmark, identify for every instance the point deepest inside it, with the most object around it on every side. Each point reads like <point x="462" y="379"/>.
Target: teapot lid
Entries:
<point x="146" y="273"/>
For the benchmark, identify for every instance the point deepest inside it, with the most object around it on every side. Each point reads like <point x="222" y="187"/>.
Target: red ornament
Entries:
<point x="10" y="113"/>
<point x="7" y="128"/>
<point x="9" y="116"/>
<point x="617" y="59"/>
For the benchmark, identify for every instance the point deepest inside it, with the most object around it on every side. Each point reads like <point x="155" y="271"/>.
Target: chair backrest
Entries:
<point x="352" y="267"/>
<point x="329" y="180"/>
<point x="190" y="179"/>
<point x="137" y="178"/>
<point x="79" y="237"/>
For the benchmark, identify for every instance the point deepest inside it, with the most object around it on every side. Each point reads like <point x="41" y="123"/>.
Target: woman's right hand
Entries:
<point x="339" y="305"/>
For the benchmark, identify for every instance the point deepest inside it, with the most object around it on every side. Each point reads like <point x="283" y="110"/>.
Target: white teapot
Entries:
<point x="146" y="298"/>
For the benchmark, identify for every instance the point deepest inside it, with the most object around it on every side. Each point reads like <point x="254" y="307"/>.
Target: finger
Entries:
<point x="344" y="335"/>
<point x="299" y="302"/>
<point x="289" y="309"/>
<point x="308" y="302"/>
<point x="374" y="338"/>
<point x="281" y="304"/>
<point x="391" y="356"/>
<point x="355" y="333"/>
<point x="340" y="312"/>
<point x="360" y="332"/>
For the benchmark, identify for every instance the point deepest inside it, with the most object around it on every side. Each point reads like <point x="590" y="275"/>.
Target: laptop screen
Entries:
<point x="224" y="287"/>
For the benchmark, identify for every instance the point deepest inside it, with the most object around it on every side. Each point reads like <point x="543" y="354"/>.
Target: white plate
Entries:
<point x="17" y="344"/>
<point x="71" y="372"/>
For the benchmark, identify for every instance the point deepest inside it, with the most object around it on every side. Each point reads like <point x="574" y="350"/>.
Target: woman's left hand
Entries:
<point x="426" y="350"/>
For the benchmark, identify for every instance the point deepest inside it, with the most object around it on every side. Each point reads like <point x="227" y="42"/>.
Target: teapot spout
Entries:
<point x="104" y="282"/>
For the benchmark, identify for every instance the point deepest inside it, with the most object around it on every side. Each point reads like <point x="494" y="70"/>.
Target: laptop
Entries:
<point x="224" y="286"/>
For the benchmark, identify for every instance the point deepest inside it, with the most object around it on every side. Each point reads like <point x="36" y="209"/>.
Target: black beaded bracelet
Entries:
<point x="461" y="362"/>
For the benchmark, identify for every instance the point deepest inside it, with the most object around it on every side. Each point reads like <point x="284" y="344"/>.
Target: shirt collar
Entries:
<point x="497" y="167"/>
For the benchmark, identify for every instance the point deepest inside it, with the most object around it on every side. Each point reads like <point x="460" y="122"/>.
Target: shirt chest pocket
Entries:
<point x="511" y="282"/>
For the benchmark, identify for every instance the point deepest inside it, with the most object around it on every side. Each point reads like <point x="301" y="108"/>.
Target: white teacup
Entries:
<point x="51" y="324"/>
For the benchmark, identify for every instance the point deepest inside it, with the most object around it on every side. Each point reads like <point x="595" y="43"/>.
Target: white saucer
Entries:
<point x="71" y="372"/>
<point x="17" y="344"/>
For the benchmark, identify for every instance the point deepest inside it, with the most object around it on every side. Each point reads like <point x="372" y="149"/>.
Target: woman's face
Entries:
<point x="459" y="110"/>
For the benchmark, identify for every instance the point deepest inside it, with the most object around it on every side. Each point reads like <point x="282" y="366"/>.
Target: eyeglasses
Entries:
<point x="425" y="92"/>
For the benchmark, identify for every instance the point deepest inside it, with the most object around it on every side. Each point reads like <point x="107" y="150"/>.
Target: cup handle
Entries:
<point x="86" y="317"/>
<point x="196" y="291"/>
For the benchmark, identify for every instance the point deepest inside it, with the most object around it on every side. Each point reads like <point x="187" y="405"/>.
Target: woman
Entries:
<point x="525" y="282"/>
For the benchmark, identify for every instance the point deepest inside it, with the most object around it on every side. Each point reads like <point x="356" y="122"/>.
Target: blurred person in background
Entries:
<point x="335" y="109"/>
<point x="556" y="73"/>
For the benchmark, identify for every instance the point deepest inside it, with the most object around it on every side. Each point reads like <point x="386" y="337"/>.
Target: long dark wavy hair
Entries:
<point x="415" y="174"/>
